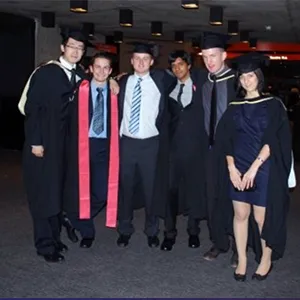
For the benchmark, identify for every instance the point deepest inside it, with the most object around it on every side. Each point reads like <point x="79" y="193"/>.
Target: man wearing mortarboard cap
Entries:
<point x="143" y="106"/>
<point x="50" y="92"/>
<point x="217" y="92"/>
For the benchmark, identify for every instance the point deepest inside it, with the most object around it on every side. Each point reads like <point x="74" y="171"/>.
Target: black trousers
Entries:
<point x="46" y="233"/>
<point x="99" y="155"/>
<point x="210" y="193"/>
<point x="138" y="164"/>
<point x="180" y="176"/>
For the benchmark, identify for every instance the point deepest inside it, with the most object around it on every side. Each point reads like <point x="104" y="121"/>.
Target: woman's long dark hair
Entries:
<point x="241" y="92"/>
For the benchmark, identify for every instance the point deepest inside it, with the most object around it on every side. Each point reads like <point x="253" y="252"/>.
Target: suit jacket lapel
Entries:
<point x="158" y="80"/>
<point x="91" y="108"/>
<point x="121" y="97"/>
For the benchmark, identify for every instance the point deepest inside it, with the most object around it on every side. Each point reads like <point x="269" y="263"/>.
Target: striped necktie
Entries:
<point x="98" y="115"/>
<point x="134" y="123"/>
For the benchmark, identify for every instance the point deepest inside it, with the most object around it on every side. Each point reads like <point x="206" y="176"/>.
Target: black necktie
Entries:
<point x="73" y="77"/>
<point x="98" y="123"/>
<point x="213" y="111"/>
<point x="180" y="94"/>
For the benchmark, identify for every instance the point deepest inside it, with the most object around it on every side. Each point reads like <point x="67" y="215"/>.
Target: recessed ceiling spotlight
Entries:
<point x="268" y="27"/>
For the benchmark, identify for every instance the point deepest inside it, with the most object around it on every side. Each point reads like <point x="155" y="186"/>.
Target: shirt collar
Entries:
<point x="67" y="64"/>
<point x="145" y="76"/>
<point x="186" y="83"/>
<point x="94" y="85"/>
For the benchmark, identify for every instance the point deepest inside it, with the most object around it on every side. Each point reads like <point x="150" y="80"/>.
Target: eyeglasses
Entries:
<point x="75" y="48"/>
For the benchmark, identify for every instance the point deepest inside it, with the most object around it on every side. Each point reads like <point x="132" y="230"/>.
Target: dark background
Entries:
<point x="17" y="35"/>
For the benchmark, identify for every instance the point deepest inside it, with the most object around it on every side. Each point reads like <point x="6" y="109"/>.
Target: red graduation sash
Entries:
<point x="84" y="157"/>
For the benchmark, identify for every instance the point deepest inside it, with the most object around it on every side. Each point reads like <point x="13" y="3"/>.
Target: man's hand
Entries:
<point x="38" y="151"/>
<point x="114" y="87"/>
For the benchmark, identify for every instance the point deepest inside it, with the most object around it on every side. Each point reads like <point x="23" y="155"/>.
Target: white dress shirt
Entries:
<point x="67" y="67"/>
<point x="187" y="92"/>
<point x="148" y="110"/>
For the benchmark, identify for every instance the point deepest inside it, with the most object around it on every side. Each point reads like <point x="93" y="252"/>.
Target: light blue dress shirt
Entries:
<point x="94" y="86"/>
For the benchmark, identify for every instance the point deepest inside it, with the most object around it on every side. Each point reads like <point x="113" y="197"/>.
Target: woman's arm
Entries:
<point x="248" y="178"/>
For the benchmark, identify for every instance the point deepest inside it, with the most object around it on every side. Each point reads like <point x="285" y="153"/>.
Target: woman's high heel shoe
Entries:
<point x="239" y="277"/>
<point x="262" y="277"/>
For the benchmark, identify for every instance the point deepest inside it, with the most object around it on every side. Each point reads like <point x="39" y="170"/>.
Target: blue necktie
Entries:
<point x="134" y="123"/>
<point x="98" y="123"/>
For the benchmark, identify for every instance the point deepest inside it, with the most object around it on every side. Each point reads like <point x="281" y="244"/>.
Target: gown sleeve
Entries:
<point x="35" y="104"/>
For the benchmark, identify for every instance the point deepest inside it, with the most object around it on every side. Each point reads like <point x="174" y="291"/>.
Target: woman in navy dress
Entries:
<point x="252" y="147"/>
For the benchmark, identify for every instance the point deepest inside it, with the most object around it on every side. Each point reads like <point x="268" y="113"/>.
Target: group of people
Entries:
<point x="205" y="143"/>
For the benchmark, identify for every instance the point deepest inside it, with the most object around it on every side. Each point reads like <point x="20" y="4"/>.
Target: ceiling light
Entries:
<point x="216" y="16"/>
<point x="126" y="17"/>
<point x="233" y="27"/>
<point x="79" y="6"/>
<point x="179" y="37"/>
<point x="190" y="4"/>
<point x="48" y="19"/>
<point x="88" y="29"/>
<point x="118" y="37"/>
<point x="253" y="43"/>
<point x="244" y="36"/>
<point x="156" y="28"/>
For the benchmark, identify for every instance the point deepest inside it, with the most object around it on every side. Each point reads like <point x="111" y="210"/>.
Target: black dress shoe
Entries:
<point x="167" y="244"/>
<point x="262" y="277"/>
<point x="194" y="241"/>
<point x="70" y="230"/>
<point x="52" y="257"/>
<point x="123" y="240"/>
<point x="153" y="241"/>
<point x="234" y="261"/>
<point x="239" y="277"/>
<point x="86" y="243"/>
<point x="212" y="253"/>
<point x="61" y="247"/>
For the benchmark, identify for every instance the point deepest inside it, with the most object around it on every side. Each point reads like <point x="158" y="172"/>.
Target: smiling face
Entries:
<point x="72" y="51"/>
<point x="181" y="69"/>
<point x="141" y="63"/>
<point x="101" y="69"/>
<point x="214" y="59"/>
<point x="249" y="82"/>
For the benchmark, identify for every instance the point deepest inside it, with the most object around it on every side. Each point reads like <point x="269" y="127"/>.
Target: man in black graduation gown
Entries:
<point x="143" y="108"/>
<point x="50" y="93"/>
<point x="186" y="151"/>
<point x="217" y="92"/>
<point x="99" y="107"/>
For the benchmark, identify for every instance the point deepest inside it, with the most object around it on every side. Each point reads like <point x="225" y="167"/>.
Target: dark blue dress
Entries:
<point x="250" y="120"/>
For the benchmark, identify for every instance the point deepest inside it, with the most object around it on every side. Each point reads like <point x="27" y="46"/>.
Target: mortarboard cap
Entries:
<point x="250" y="62"/>
<point x="74" y="34"/>
<point x="214" y="40"/>
<point x="143" y="48"/>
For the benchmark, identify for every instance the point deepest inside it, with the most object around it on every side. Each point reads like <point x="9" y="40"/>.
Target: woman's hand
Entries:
<point x="235" y="177"/>
<point x="248" y="178"/>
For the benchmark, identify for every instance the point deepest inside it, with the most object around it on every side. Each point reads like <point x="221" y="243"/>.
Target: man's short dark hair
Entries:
<point x="105" y="55"/>
<point x="180" y="54"/>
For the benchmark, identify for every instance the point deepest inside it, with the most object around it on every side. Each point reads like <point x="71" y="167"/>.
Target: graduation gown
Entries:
<point x="77" y="194"/>
<point x="186" y="145"/>
<point x="46" y="112"/>
<point x="277" y="136"/>
<point x="165" y="84"/>
<point x="225" y="84"/>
